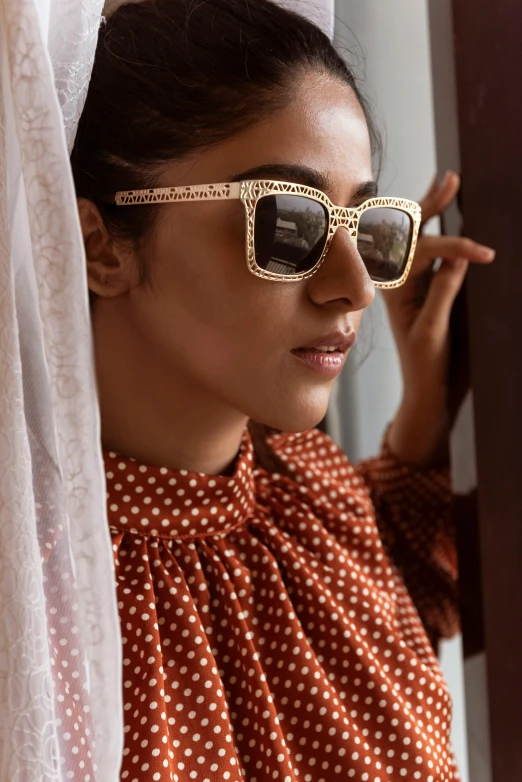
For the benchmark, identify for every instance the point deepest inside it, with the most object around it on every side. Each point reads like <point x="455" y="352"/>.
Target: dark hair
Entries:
<point x="174" y="76"/>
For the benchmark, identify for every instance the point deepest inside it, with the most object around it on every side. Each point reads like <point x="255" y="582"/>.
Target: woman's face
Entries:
<point x="214" y="325"/>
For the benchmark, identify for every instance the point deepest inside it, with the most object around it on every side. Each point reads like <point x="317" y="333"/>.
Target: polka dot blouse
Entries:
<point x="282" y="627"/>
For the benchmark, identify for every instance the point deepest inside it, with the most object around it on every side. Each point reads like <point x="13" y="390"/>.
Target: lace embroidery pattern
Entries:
<point x="60" y="647"/>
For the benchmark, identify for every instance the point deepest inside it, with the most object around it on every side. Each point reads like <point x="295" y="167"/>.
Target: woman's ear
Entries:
<point x="111" y="270"/>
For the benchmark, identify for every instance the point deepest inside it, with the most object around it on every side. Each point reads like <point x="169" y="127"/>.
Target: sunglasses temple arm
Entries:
<point x="223" y="191"/>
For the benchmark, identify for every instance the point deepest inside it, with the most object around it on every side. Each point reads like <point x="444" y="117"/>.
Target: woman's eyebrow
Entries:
<point x="301" y="175"/>
<point x="365" y="190"/>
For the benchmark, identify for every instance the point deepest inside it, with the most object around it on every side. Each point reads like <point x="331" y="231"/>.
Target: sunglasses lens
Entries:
<point x="384" y="241"/>
<point x="290" y="233"/>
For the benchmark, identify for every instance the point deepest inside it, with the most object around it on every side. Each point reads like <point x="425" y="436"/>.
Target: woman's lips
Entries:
<point x="326" y="354"/>
<point x="325" y="363"/>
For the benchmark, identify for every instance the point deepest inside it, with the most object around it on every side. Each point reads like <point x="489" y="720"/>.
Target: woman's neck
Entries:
<point x="153" y="413"/>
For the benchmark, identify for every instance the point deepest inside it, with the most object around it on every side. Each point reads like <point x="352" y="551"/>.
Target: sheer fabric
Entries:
<point x="60" y="646"/>
<point x="60" y="693"/>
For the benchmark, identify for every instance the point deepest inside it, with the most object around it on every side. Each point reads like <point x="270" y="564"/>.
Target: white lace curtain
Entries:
<point x="60" y="647"/>
<point x="60" y="701"/>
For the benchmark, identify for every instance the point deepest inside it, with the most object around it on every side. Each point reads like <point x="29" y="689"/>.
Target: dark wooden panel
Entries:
<point x="488" y="62"/>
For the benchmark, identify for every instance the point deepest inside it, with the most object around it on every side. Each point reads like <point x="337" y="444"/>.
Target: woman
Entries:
<point x="277" y="604"/>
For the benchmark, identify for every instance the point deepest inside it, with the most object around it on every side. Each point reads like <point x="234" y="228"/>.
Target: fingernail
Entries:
<point x="487" y="253"/>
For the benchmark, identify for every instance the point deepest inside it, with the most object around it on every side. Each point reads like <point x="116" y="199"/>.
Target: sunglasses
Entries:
<point x="289" y="227"/>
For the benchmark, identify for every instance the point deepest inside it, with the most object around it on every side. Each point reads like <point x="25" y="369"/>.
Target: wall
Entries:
<point x="394" y="38"/>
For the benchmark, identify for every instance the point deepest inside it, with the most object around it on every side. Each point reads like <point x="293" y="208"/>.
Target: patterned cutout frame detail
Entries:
<point x="250" y="191"/>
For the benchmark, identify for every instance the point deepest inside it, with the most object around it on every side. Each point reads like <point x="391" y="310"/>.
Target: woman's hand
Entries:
<point x="419" y="314"/>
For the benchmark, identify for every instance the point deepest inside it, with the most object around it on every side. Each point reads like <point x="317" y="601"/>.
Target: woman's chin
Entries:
<point x="298" y="419"/>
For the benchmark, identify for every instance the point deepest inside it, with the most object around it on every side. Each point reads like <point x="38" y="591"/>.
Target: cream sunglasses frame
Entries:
<point x="250" y="191"/>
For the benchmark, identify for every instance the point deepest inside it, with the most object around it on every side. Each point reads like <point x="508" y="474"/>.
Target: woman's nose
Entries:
<point x="342" y="275"/>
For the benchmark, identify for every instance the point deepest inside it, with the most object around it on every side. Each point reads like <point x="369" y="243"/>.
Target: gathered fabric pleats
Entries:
<point x="266" y="634"/>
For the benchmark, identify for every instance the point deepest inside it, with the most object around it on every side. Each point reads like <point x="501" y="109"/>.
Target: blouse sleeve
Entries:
<point x="413" y="508"/>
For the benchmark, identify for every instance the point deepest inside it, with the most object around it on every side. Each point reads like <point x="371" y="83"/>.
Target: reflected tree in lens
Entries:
<point x="299" y="235"/>
<point x="383" y="241"/>
<point x="301" y="221"/>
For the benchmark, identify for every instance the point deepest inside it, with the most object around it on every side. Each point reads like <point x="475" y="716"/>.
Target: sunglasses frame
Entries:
<point x="252" y="190"/>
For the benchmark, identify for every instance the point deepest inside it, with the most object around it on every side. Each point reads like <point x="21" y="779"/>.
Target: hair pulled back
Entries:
<point x="174" y="76"/>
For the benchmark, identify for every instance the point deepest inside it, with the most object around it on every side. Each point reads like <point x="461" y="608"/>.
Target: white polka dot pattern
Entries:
<point x="415" y="519"/>
<point x="266" y="634"/>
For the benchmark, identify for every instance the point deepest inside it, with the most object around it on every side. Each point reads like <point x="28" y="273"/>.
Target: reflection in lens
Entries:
<point x="384" y="240"/>
<point x="290" y="233"/>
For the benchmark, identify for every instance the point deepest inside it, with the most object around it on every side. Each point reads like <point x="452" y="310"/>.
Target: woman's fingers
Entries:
<point x="440" y="195"/>
<point x="445" y="285"/>
<point x="453" y="247"/>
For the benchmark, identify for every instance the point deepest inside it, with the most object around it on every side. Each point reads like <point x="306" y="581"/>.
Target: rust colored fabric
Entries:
<point x="268" y="634"/>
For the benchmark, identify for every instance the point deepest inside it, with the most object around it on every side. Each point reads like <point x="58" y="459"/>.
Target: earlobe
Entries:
<point x="109" y="271"/>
